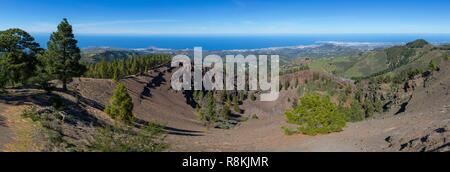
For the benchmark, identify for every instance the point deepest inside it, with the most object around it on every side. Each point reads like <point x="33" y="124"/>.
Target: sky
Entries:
<point x="229" y="16"/>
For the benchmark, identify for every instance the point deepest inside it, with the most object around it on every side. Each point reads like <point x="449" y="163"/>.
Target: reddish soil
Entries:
<point x="155" y="101"/>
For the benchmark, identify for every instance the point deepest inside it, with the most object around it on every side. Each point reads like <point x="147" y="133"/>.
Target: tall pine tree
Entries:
<point x="63" y="55"/>
<point x="209" y="109"/>
<point x="18" y="51"/>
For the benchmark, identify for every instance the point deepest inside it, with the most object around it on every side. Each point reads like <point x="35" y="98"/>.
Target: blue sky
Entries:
<point x="229" y="16"/>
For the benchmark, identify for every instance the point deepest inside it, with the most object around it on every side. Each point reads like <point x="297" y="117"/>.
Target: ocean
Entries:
<point x="233" y="42"/>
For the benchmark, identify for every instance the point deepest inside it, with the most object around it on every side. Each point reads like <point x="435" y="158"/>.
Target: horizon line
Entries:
<point x="241" y="34"/>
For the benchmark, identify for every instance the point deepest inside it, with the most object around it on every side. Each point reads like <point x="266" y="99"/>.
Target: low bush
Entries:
<point x="316" y="114"/>
<point x="354" y="113"/>
<point x="289" y="131"/>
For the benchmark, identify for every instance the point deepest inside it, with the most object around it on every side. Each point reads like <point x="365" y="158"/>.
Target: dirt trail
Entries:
<point x="5" y="132"/>
<point x="17" y="134"/>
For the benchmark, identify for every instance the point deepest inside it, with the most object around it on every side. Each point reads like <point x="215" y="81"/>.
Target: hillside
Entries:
<point x="410" y="109"/>
<point x="152" y="97"/>
<point x="382" y="61"/>
<point x="93" y="55"/>
<point x="423" y="118"/>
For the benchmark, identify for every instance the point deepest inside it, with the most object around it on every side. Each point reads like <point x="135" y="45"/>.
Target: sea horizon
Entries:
<point x="216" y="42"/>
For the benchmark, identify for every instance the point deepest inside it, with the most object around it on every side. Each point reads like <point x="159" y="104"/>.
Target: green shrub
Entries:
<point x="32" y="113"/>
<point x="253" y="97"/>
<point x="316" y="115"/>
<point x="254" y="116"/>
<point x="289" y="131"/>
<point x="355" y="113"/>
<point x="121" y="105"/>
<point x="225" y="112"/>
<point x="433" y="66"/>
<point x="447" y="57"/>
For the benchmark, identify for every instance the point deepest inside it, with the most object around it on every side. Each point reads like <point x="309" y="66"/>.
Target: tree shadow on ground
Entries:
<point x="169" y="130"/>
<point x="75" y="111"/>
<point x="156" y="82"/>
<point x="189" y="96"/>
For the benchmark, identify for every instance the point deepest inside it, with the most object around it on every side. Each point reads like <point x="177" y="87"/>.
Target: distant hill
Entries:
<point x="287" y="54"/>
<point x="416" y="55"/>
<point x="94" y="55"/>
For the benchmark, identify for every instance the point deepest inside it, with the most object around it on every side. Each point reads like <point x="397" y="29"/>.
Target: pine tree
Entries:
<point x="116" y="75"/>
<point x="209" y="111"/>
<point x="355" y="113"/>
<point x="131" y="66"/>
<point x="121" y="104"/>
<point x="236" y="104"/>
<point x="18" y="51"/>
<point x="241" y="96"/>
<point x="223" y="95"/>
<point x="226" y="112"/>
<point x="228" y="102"/>
<point x="3" y="77"/>
<point x="316" y="115"/>
<point x="63" y="55"/>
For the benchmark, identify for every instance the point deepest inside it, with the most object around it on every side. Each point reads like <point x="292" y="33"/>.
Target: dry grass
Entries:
<point x="25" y="132"/>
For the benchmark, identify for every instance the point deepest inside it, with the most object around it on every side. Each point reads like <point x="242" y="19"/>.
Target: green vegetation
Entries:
<point x="289" y="131"/>
<point x="121" y="105"/>
<point x="399" y="55"/>
<point x="294" y="69"/>
<point x="316" y="114"/>
<point x="236" y="104"/>
<point x="225" y="112"/>
<point x="216" y="108"/>
<point x="433" y="66"/>
<point x="18" y="60"/>
<point x="63" y="55"/>
<point x="355" y="113"/>
<point x="446" y="56"/>
<point x="379" y="75"/>
<point x="253" y="97"/>
<point x="96" y="55"/>
<point x="149" y="139"/>
<point x="208" y="113"/>
<point x="120" y="68"/>
<point x="23" y="62"/>
<point x="341" y="66"/>
<point x="61" y="135"/>
<point x="420" y="43"/>
<point x="380" y="61"/>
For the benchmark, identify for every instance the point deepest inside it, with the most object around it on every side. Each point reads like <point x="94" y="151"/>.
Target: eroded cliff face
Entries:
<point x="392" y="98"/>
